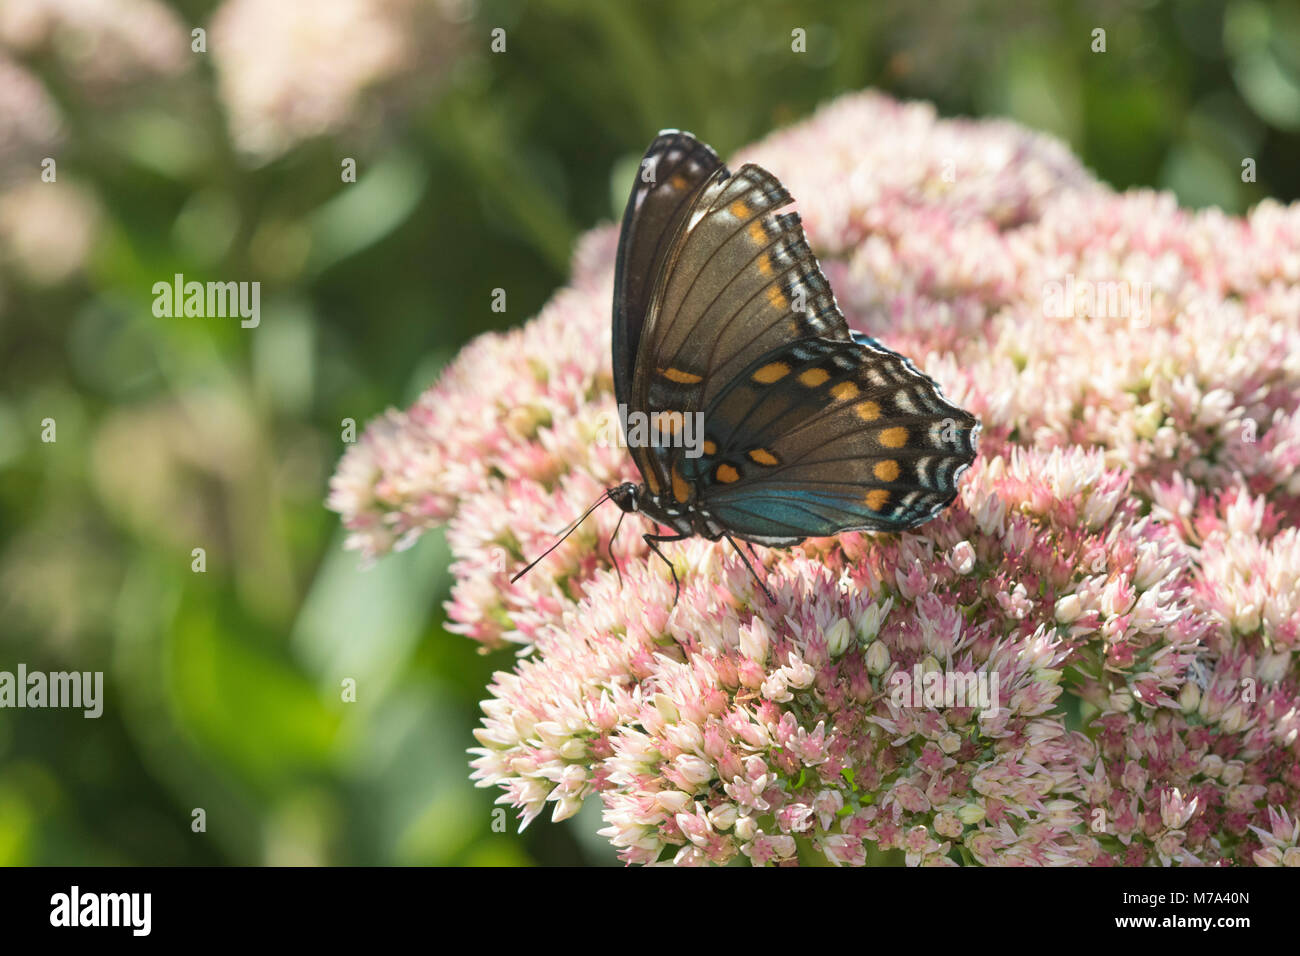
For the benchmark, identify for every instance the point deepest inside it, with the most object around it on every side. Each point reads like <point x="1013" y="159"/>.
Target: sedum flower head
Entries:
<point x="1118" y="572"/>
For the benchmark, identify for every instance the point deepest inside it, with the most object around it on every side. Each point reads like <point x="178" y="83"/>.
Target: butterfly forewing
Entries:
<point x="742" y="281"/>
<point x="674" y="167"/>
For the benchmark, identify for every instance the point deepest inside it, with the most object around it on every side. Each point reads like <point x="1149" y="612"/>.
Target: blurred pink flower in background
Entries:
<point x="47" y="234"/>
<point x="1122" y="557"/>
<point x="101" y="44"/>
<point x="289" y="71"/>
<point x="95" y="49"/>
<point x="30" y="122"/>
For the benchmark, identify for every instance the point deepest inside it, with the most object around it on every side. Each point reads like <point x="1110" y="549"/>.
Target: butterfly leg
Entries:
<point x="759" y="581"/>
<point x="618" y="527"/>
<point x="654" y="540"/>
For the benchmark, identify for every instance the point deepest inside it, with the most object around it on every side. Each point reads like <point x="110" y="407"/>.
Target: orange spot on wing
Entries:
<point x="678" y="182"/>
<point x="895" y="437"/>
<point x="670" y="422"/>
<point x="877" y="498"/>
<point x="739" y="210"/>
<point x="710" y="448"/>
<point x="757" y="234"/>
<point x="844" y="391"/>
<point x="776" y="298"/>
<point x="813" y="377"/>
<point x="726" y="474"/>
<point x="764" y="457"/>
<point x="680" y="377"/>
<point x="868" y="411"/>
<point x="886" y="470"/>
<point x="772" y="372"/>
<point x="681" y="488"/>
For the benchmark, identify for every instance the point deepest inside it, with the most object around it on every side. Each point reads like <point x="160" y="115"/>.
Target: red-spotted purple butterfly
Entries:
<point x="722" y="316"/>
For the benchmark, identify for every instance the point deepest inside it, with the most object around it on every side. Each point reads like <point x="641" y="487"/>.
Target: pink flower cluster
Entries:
<point x="1121" y="563"/>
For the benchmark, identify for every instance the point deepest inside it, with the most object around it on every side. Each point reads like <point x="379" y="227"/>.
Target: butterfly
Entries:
<point x="723" y="317"/>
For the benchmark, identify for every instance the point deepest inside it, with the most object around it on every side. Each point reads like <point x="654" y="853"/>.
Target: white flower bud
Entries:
<point x="754" y="640"/>
<point x="694" y="770"/>
<point x="838" y="637"/>
<point x="723" y="817"/>
<point x="574" y="749"/>
<point x="871" y="619"/>
<point x="1211" y="765"/>
<point x="1069" y="608"/>
<point x="674" y="801"/>
<point x="667" y="709"/>
<point x="745" y="829"/>
<point x="962" y="558"/>
<point x="877" y="658"/>
<point x="1272" y="668"/>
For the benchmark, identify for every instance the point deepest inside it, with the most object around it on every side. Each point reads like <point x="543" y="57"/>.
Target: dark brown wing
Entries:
<point x="673" y="169"/>
<point x="736" y="282"/>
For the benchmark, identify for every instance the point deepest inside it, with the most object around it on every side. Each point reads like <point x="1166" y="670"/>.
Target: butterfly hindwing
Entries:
<point x="823" y="436"/>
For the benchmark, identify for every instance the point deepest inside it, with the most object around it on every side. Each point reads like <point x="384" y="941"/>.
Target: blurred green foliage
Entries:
<point x="223" y="687"/>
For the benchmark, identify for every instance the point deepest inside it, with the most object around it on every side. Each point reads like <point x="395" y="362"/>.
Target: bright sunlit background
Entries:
<point x="475" y="170"/>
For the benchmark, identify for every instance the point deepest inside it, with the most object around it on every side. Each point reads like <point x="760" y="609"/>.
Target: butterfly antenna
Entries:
<point x="572" y="528"/>
<point x="568" y="528"/>
<point x="759" y="581"/>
